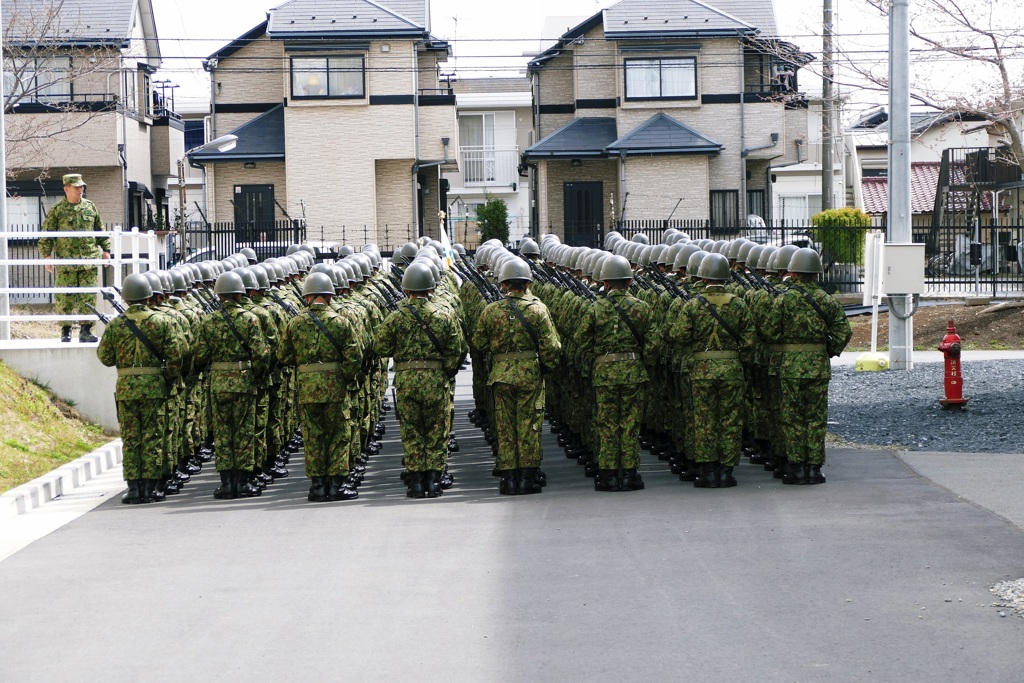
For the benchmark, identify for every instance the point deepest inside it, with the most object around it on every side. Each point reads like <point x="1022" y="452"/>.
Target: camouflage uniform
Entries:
<point x="807" y="342"/>
<point x="422" y="387"/>
<point x="618" y="375"/>
<point x="67" y="217"/>
<point x="515" y="376"/>
<point x="325" y="403"/>
<point x="235" y="376"/>
<point x="142" y="385"/>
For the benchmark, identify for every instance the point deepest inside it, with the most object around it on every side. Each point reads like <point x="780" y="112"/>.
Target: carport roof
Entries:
<point x="584" y="137"/>
<point x="261" y="139"/>
<point x="662" y="134"/>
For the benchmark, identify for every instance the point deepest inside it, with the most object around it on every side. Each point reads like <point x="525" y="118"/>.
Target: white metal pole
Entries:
<point x="901" y="330"/>
<point x="5" y="301"/>
<point x="136" y="260"/>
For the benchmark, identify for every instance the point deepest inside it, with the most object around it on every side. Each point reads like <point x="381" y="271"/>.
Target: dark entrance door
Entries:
<point x="254" y="213"/>
<point x="583" y="215"/>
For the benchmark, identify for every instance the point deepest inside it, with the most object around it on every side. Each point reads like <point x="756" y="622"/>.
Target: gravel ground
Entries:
<point x="1011" y="596"/>
<point x="899" y="409"/>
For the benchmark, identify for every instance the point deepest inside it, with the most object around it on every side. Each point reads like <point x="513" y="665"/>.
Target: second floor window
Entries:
<point x="45" y="80"/>
<point x="661" y="79"/>
<point x="328" y="77"/>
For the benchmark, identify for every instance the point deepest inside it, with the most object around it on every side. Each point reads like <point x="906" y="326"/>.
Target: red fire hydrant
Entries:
<point x="950" y="348"/>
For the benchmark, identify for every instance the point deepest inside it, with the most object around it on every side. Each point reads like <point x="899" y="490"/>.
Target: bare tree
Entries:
<point x="51" y="71"/>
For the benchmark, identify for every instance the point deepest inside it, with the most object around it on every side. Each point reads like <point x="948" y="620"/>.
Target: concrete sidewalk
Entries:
<point x="850" y="357"/>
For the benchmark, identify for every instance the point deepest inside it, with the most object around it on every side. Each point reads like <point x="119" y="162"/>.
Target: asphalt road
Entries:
<point x="878" y="575"/>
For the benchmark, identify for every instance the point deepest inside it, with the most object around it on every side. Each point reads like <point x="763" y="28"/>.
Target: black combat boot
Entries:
<point x="805" y="474"/>
<point x="447" y="480"/>
<point x="453" y="444"/>
<point x="590" y="468"/>
<point x="338" y="489"/>
<point x="275" y="468"/>
<point x="816" y="477"/>
<point x="170" y="485"/>
<point x="65" y="333"/>
<point x="433" y="483"/>
<point x="527" y="482"/>
<point x="631" y="480"/>
<point x="181" y="476"/>
<point x="794" y="473"/>
<point x="509" y="484"/>
<point x="780" y="467"/>
<point x="689" y="470"/>
<point x="133" y="496"/>
<point x="542" y="478"/>
<point x="226" y="490"/>
<point x="417" y="482"/>
<point x="246" y="488"/>
<point x="704" y="473"/>
<point x="159" y="492"/>
<point x="264" y="478"/>
<point x="727" y="480"/>
<point x="85" y="334"/>
<point x="190" y="465"/>
<point x="607" y="480"/>
<point x="146" y="489"/>
<point x="317" y="490"/>
<point x="761" y="452"/>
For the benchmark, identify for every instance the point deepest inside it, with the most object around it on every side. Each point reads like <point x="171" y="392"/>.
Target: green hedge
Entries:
<point x="840" y="232"/>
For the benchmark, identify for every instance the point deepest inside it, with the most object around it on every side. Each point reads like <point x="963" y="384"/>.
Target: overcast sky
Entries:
<point x="196" y="28"/>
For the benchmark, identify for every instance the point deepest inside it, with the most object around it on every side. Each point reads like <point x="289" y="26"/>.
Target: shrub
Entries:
<point x="840" y="232"/>
<point x="492" y="220"/>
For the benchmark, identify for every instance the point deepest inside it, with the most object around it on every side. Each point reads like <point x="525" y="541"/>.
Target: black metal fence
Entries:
<point x="216" y="241"/>
<point x="960" y="260"/>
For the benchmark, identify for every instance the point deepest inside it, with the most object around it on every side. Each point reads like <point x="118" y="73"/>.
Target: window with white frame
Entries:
<point x="44" y="80"/>
<point x="328" y="78"/>
<point x="798" y="208"/>
<point x="668" y="78"/>
<point x="26" y="214"/>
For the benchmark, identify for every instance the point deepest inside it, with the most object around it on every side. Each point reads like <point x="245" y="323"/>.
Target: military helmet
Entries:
<point x="292" y="248"/>
<point x="318" y="284"/>
<point x="714" y="267"/>
<point x="418" y="278"/>
<point x="154" y="281"/>
<point x="353" y="273"/>
<point x="362" y="261"/>
<point x="657" y="253"/>
<point x="374" y="257"/>
<point x="166" y="281"/>
<point x="515" y="269"/>
<point x="196" y="274"/>
<point x="321" y="268"/>
<point x="529" y="248"/>
<point x="765" y="258"/>
<point x="608" y="235"/>
<point x="600" y="265"/>
<point x="248" y="278"/>
<point x="178" y="282"/>
<point x="640" y="238"/>
<point x="644" y="256"/>
<point x="616" y="268"/>
<point x="407" y="253"/>
<point x="744" y="252"/>
<point x="308" y="248"/>
<point x="229" y="283"/>
<point x="459" y="249"/>
<point x="693" y="263"/>
<point x="753" y="256"/>
<point x="136" y="288"/>
<point x="732" y="250"/>
<point x="437" y="247"/>
<point x="805" y="260"/>
<point x="682" y="259"/>
<point x="249" y="254"/>
<point x="669" y="257"/>
<point x="260" y="271"/>
<point x="205" y="271"/>
<point x="339" y="275"/>
<point x="782" y="257"/>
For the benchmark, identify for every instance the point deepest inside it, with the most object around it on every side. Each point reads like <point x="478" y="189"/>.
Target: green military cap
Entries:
<point x="74" y="179"/>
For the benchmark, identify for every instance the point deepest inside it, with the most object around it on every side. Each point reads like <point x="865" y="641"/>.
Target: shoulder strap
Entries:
<point x="526" y="324"/>
<point x="234" y="330"/>
<point x="629" y="323"/>
<point x="817" y="308"/>
<point x="714" y="314"/>
<point x="141" y="336"/>
<point x="327" y="333"/>
<point x="426" y="328"/>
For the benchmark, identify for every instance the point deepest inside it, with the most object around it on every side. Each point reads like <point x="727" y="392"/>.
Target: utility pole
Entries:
<point x="901" y="324"/>
<point x="5" y="299"/>
<point x="827" y="116"/>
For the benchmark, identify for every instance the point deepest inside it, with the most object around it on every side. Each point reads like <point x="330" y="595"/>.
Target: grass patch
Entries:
<point x="40" y="431"/>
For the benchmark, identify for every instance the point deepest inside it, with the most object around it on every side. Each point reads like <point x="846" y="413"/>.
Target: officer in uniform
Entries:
<point x="810" y="327"/>
<point x="523" y="345"/>
<point x="74" y="213"/>
<point x="148" y="360"/>
<point x="322" y="346"/>
<point x="426" y="345"/>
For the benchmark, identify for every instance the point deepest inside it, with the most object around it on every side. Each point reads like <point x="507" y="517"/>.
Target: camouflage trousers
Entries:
<point x="261" y="419"/>
<point x="680" y="409"/>
<point x="519" y="416"/>
<point x="143" y="430"/>
<point x="423" y="409"/>
<point x="326" y="433"/>
<point x="175" y="440"/>
<point x="617" y="421"/>
<point x="718" y="421"/>
<point x="234" y="430"/>
<point x="774" y="412"/>
<point x="275" y="422"/>
<point x="74" y="304"/>
<point x="804" y="419"/>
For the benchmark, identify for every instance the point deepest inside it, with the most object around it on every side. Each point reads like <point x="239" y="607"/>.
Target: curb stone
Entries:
<point x="60" y="481"/>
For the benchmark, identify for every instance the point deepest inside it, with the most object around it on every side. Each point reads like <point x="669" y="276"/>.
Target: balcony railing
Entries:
<point x="487" y="166"/>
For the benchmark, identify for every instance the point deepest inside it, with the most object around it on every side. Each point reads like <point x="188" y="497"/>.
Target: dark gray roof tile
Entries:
<point x="341" y="17"/>
<point x="77" y="21"/>
<point x="672" y="17"/>
<point x="582" y="137"/>
<point x="261" y="138"/>
<point x="662" y="134"/>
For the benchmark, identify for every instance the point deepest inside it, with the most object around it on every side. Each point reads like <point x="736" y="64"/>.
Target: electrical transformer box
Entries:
<point x="903" y="269"/>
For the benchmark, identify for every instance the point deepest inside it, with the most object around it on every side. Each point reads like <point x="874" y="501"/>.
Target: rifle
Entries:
<point x="672" y="288"/>
<point x="398" y="416"/>
<point x="104" y="318"/>
<point x="739" y="279"/>
<point x="132" y="327"/>
<point x="384" y="294"/>
<point x="763" y="283"/>
<point x="288" y="308"/>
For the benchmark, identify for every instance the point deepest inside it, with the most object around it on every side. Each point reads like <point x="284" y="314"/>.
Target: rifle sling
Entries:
<point x="714" y="314"/>
<point x="817" y="308"/>
<point x="423" y="325"/>
<point x="327" y="333"/>
<point x="140" y="335"/>
<point x="526" y="325"/>
<point x="629" y="323"/>
<point x="238" y="335"/>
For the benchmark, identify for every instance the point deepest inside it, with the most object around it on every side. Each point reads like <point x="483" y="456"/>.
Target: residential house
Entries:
<point x="82" y="98"/>
<point x="656" y="111"/>
<point x="342" y="122"/>
<point x="495" y="127"/>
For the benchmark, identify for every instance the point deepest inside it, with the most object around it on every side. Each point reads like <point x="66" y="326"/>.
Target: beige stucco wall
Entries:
<point x="393" y="195"/>
<point x="168" y="146"/>
<point x="222" y="178"/>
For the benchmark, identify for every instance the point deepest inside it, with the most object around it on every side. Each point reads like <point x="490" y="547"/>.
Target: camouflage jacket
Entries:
<point x="602" y="332"/>
<point x="499" y="331"/>
<point x="793" y="322"/>
<point x="80" y="217"/>
<point x="323" y="375"/>
<point x="121" y="348"/>
<point x="217" y="343"/>
<point x="697" y="328"/>
<point x="401" y="336"/>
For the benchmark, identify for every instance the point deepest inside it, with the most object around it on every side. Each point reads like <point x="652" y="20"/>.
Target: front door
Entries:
<point x="254" y="213"/>
<point x="583" y="215"/>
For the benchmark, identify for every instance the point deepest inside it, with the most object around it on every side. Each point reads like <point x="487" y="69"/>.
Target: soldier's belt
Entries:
<point x="716" y="355"/>
<point x="418" y="365"/>
<point x="516" y="355"/>
<point x="775" y="348"/>
<point x="131" y="372"/>
<point x="612" y="357"/>
<point x="802" y="347"/>
<point x="318" y="367"/>
<point x="236" y="365"/>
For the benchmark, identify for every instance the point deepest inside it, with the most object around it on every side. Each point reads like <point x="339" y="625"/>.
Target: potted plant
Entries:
<point x="841" y="232"/>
